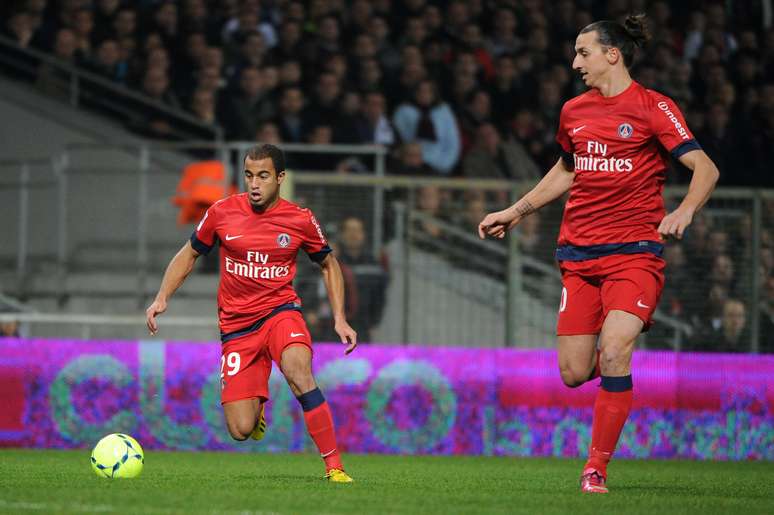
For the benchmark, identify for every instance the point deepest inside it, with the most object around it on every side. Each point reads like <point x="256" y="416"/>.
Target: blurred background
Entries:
<point x="404" y="122"/>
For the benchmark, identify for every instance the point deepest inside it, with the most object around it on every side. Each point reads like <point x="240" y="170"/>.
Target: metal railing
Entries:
<point x="83" y="86"/>
<point x="372" y="195"/>
<point x="86" y="322"/>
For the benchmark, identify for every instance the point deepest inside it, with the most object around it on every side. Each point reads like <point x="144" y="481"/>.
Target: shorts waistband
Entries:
<point x="291" y="306"/>
<point x="582" y="253"/>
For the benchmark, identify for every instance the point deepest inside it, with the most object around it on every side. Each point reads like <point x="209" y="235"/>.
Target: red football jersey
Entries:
<point x="619" y="147"/>
<point x="257" y="255"/>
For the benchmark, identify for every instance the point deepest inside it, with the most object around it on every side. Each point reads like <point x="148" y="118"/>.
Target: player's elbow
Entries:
<point x="708" y="168"/>
<point x="714" y="173"/>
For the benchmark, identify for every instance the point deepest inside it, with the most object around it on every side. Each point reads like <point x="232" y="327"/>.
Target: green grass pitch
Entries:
<point x="34" y="481"/>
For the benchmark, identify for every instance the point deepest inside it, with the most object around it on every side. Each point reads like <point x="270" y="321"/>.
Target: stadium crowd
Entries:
<point x="467" y="88"/>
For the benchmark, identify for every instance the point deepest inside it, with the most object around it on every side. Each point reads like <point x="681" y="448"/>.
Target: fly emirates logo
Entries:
<point x="598" y="161"/>
<point x="256" y="267"/>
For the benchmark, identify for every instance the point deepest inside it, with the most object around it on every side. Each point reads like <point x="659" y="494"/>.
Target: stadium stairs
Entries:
<point x="102" y="224"/>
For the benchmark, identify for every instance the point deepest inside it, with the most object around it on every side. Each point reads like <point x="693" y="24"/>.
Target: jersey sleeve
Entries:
<point x="315" y="244"/>
<point x="564" y="141"/>
<point x="669" y="127"/>
<point x="204" y="236"/>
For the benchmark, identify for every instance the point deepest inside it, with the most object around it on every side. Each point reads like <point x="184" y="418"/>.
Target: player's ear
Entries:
<point x="613" y="55"/>
<point x="280" y="177"/>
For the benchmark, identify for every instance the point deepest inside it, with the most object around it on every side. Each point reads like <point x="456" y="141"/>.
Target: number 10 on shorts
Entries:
<point x="231" y="360"/>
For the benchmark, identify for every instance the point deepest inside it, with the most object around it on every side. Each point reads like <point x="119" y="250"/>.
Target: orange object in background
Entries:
<point x="202" y="184"/>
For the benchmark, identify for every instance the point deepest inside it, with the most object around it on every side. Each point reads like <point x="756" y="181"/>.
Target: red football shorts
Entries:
<point x="591" y="288"/>
<point x="245" y="362"/>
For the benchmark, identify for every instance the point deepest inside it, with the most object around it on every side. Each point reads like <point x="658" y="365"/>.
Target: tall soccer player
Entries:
<point x="615" y="143"/>
<point x="259" y="312"/>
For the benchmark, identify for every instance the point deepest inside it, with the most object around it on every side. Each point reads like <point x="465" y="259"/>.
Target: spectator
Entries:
<point x="249" y="21"/>
<point x="325" y="108"/>
<point x="19" y="28"/>
<point x="9" y="329"/>
<point x="370" y="277"/>
<point x="732" y="335"/>
<point x="268" y="132"/>
<point x="248" y="106"/>
<point x="289" y="45"/>
<point x="83" y="28"/>
<point x="107" y="62"/>
<point x="325" y="43"/>
<point x="429" y="204"/>
<point x="203" y="106"/>
<point x="290" y="119"/>
<point x="51" y="79"/>
<point x="104" y="16"/>
<point x="125" y="23"/>
<point x="370" y="76"/>
<point x="290" y="73"/>
<point x="493" y="158"/>
<point x="766" y="314"/>
<point x="430" y="121"/>
<point x="504" y="40"/>
<point x="410" y="161"/>
<point x="374" y="126"/>
<point x="504" y="91"/>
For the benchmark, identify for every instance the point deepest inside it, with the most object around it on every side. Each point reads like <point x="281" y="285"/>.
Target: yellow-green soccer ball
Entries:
<point x="117" y="456"/>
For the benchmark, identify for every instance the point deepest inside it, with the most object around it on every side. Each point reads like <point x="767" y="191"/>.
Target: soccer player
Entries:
<point x="259" y="313"/>
<point x="615" y="143"/>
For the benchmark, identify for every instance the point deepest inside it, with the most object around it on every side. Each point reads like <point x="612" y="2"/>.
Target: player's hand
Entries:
<point x="347" y="334"/>
<point x="157" y="308"/>
<point x="674" y="224"/>
<point x="497" y="224"/>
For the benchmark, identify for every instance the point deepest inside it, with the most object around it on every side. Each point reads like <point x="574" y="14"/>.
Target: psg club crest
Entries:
<point x="625" y="130"/>
<point x="283" y="240"/>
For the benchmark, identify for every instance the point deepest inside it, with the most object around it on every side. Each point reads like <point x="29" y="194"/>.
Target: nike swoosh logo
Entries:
<point x="641" y="305"/>
<point x="577" y="129"/>
<point x="328" y="453"/>
<point x="229" y="238"/>
<point x="293" y="335"/>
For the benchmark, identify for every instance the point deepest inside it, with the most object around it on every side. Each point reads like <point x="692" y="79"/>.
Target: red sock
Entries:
<point x="611" y="409"/>
<point x="319" y="423"/>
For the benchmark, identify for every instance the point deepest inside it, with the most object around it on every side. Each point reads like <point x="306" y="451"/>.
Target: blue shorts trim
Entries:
<point x="291" y="306"/>
<point x="583" y="253"/>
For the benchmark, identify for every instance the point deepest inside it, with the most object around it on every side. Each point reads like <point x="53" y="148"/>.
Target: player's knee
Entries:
<point x="612" y="356"/>
<point x="302" y="382"/>
<point x="240" y="429"/>
<point x="299" y="376"/>
<point x="573" y="377"/>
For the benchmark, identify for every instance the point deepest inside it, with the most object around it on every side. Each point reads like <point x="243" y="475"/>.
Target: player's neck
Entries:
<point x="615" y="84"/>
<point x="266" y="207"/>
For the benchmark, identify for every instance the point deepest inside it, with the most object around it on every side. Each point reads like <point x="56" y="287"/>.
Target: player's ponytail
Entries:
<point x="637" y="27"/>
<point x="627" y="38"/>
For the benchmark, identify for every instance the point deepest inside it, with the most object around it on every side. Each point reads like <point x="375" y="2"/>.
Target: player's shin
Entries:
<point x="611" y="409"/>
<point x="319" y="423"/>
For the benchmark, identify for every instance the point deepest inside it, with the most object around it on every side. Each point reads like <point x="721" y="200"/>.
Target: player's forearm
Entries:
<point x="334" y="284"/>
<point x="705" y="176"/>
<point x="556" y="183"/>
<point x="176" y="273"/>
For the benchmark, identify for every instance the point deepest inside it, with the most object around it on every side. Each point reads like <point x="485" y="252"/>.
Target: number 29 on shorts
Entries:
<point x="230" y="360"/>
